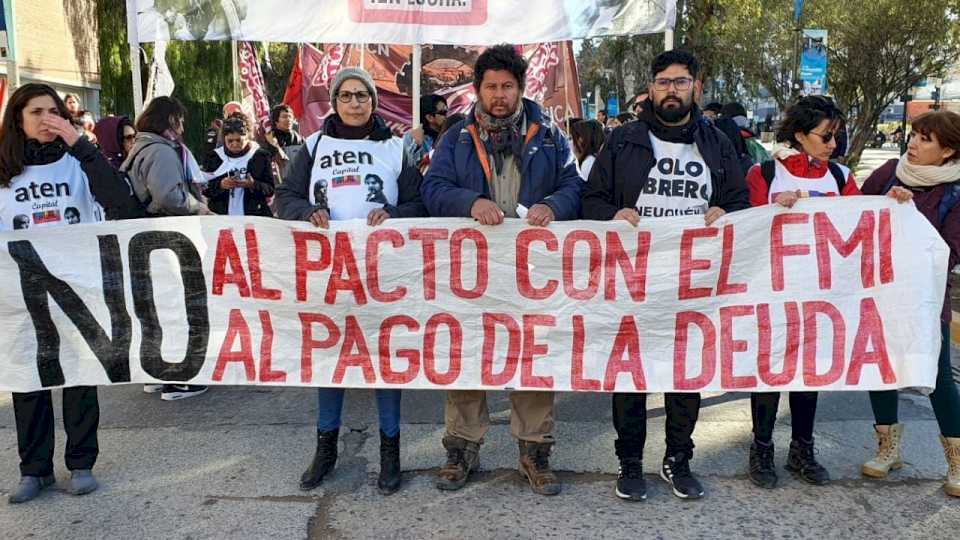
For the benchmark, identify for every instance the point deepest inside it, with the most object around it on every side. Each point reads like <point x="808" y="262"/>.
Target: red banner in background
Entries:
<point x="252" y="89"/>
<point x="446" y="70"/>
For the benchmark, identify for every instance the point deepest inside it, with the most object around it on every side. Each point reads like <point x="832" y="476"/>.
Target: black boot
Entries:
<point x="323" y="460"/>
<point x="389" y="480"/>
<point x="804" y="466"/>
<point x="762" y="472"/>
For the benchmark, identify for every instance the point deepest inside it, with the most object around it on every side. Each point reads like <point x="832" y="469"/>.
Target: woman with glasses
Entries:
<point x="115" y="135"/>
<point x="929" y="174"/>
<point x="801" y="167"/>
<point x="321" y="185"/>
<point x="40" y="147"/>
<point x="239" y="173"/>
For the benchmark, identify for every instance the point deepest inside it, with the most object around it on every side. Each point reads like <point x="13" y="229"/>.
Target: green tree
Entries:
<point x="878" y="50"/>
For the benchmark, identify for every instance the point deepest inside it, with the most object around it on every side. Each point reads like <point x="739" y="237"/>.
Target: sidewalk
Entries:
<point x="226" y="464"/>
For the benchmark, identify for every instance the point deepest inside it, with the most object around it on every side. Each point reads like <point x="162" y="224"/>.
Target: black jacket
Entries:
<point x="293" y="198"/>
<point x="625" y="161"/>
<point x="255" y="198"/>
<point x="108" y="186"/>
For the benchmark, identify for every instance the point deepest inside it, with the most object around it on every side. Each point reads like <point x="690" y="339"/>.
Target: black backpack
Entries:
<point x="732" y="131"/>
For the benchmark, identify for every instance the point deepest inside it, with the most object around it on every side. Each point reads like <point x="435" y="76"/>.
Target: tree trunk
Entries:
<point x="860" y="134"/>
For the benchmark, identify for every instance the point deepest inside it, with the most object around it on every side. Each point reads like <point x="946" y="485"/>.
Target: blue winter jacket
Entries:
<point x="457" y="177"/>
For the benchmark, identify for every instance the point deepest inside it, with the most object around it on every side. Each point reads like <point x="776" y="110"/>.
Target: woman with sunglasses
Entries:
<point x="115" y="134"/>
<point x="239" y="173"/>
<point x="929" y="173"/>
<point x="40" y="147"/>
<point x="330" y="179"/>
<point x="801" y="167"/>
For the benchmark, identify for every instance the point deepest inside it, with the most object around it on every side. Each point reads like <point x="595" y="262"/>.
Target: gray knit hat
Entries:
<point x="352" y="73"/>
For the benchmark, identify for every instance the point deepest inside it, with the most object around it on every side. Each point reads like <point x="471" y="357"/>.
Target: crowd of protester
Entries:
<point x="503" y="158"/>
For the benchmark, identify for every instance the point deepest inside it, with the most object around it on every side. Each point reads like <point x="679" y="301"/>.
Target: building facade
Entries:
<point x="55" y="42"/>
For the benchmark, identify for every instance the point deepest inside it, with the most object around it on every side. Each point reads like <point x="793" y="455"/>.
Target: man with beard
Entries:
<point x="505" y="153"/>
<point x="671" y="162"/>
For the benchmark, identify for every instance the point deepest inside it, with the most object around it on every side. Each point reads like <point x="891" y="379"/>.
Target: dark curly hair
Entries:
<point x="676" y="56"/>
<point x="804" y="115"/>
<point x="500" y="57"/>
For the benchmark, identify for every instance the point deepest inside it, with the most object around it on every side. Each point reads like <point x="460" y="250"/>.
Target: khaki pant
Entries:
<point x="531" y="415"/>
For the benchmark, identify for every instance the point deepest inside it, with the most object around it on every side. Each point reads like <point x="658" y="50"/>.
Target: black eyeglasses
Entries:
<point x="680" y="83"/>
<point x="345" y="97"/>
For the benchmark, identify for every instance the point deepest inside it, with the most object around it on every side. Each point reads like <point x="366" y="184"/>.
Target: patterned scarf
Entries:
<point x="191" y="169"/>
<point x="501" y="135"/>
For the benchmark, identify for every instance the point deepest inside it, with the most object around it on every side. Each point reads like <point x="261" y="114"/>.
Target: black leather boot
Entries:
<point x="389" y="480"/>
<point x="323" y="460"/>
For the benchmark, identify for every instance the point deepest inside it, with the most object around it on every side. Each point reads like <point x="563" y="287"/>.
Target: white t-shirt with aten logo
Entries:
<point x="48" y="195"/>
<point x="355" y="176"/>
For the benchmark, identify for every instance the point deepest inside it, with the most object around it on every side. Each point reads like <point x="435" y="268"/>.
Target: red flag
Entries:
<point x="317" y="69"/>
<point x="293" y="95"/>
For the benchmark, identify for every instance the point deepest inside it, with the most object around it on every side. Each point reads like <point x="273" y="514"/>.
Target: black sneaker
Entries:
<point x="803" y="465"/>
<point x="762" y="471"/>
<point x="676" y="472"/>
<point x="630" y="483"/>
<point x="173" y="392"/>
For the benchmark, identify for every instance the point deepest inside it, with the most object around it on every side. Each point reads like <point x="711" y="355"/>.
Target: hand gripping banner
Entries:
<point x="834" y="294"/>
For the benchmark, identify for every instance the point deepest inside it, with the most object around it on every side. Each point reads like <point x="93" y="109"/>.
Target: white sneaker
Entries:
<point x="152" y="388"/>
<point x="173" y="392"/>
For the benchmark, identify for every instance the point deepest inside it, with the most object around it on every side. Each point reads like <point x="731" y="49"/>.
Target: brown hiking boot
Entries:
<point x="535" y="467"/>
<point x="463" y="458"/>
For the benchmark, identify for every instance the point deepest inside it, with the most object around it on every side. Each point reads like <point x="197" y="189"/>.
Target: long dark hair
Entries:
<point x="12" y="138"/>
<point x="156" y="117"/>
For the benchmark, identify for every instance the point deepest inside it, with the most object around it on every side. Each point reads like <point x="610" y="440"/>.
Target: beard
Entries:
<point x="673" y="114"/>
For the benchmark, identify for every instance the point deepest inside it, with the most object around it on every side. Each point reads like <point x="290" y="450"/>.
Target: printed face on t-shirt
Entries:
<point x="72" y="215"/>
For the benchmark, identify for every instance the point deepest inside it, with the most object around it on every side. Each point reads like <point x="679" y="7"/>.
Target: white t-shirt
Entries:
<point x="825" y="186"/>
<point x="586" y="166"/>
<point x="355" y="176"/>
<point x="48" y="196"/>
<point x="236" y="166"/>
<point x="679" y="184"/>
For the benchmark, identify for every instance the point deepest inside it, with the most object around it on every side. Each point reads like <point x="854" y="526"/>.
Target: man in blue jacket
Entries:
<point x="505" y="159"/>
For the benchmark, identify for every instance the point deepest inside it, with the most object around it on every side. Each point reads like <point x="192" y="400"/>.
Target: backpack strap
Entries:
<point x="313" y="154"/>
<point x="951" y="196"/>
<point x="769" y="171"/>
<point x="890" y="182"/>
<point x="838" y="175"/>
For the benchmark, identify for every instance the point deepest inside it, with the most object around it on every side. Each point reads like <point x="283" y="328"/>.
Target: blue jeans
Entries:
<point x="330" y="405"/>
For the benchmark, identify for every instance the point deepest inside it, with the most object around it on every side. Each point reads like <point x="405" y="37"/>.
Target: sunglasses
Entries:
<point x="825" y="137"/>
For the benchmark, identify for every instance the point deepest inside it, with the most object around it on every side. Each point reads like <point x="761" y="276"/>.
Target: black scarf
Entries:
<point x="675" y="134"/>
<point x="37" y="153"/>
<point x="335" y="127"/>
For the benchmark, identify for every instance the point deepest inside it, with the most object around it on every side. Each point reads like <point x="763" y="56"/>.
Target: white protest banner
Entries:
<point x="835" y="294"/>
<point x="442" y="22"/>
